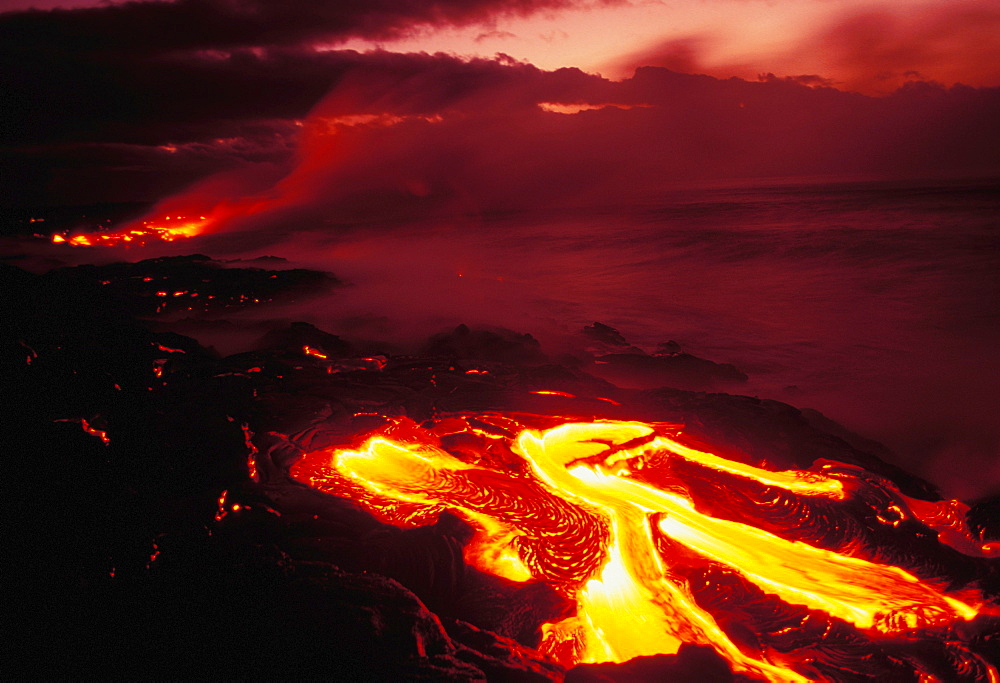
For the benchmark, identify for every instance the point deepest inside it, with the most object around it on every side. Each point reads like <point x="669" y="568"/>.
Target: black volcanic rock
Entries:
<point x="615" y="360"/>
<point x="503" y="346"/>
<point x="681" y="370"/>
<point x="154" y="552"/>
<point x="691" y="664"/>
<point x="499" y="658"/>
<point x="667" y="348"/>
<point x="984" y="519"/>
<point x="195" y="283"/>
<point x="143" y="546"/>
<point x="603" y="339"/>
<point x="773" y="435"/>
<point x="214" y="607"/>
<point x="561" y="378"/>
<point x="298" y="335"/>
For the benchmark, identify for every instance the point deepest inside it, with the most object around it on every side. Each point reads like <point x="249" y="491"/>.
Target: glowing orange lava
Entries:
<point x="310" y="351"/>
<point x="600" y="511"/>
<point x="167" y="229"/>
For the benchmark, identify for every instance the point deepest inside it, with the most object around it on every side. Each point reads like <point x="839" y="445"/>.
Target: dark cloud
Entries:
<point x="177" y="97"/>
<point x="437" y="130"/>
<point x="185" y="96"/>
<point x="87" y="172"/>
<point x="150" y="73"/>
<point x="143" y="27"/>
<point x="189" y="101"/>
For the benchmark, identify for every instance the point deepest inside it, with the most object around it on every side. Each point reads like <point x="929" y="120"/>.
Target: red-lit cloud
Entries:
<point x="948" y="43"/>
<point x="874" y="51"/>
<point x="132" y="102"/>
<point x="410" y="137"/>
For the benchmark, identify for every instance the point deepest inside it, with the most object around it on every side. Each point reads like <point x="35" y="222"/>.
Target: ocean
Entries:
<point x="877" y="304"/>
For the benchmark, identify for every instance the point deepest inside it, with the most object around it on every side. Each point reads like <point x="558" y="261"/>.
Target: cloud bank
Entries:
<point x="873" y="51"/>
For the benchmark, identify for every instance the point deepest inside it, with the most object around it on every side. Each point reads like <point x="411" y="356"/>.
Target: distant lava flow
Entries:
<point x="659" y="543"/>
<point x="166" y="229"/>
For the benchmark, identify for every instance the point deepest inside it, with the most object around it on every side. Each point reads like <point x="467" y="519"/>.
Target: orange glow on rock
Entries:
<point x="99" y="433"/>
<point x="600" y="512"/>
<point x="89" y="429"/>
<point x="310" y="351"/>
<point x="138" y="234"/>
<point x="220" y="510"/>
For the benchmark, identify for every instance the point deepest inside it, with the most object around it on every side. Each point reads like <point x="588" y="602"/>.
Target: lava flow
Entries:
<point x="607" y="514"/>
<point x="168" y="229"/>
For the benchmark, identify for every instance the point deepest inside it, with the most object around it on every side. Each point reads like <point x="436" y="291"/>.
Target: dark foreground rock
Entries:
<point x="693" y="664"/>
<point x="155" y="532"/>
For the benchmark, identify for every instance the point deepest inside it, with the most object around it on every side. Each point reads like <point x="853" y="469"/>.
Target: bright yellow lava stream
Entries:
<point x="139" y="234"/>
<point x="628" y="601"/>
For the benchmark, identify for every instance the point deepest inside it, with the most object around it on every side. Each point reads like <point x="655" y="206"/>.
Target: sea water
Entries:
<point x="876" y="303"/>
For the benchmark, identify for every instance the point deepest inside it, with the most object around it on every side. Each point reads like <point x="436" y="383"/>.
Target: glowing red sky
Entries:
<point x="871" y="46"/>
<point x="117" y="102"/>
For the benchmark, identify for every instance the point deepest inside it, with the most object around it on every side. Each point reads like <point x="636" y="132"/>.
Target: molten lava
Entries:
<point x="607" y="514"/>
<point x="168" y="229"/>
